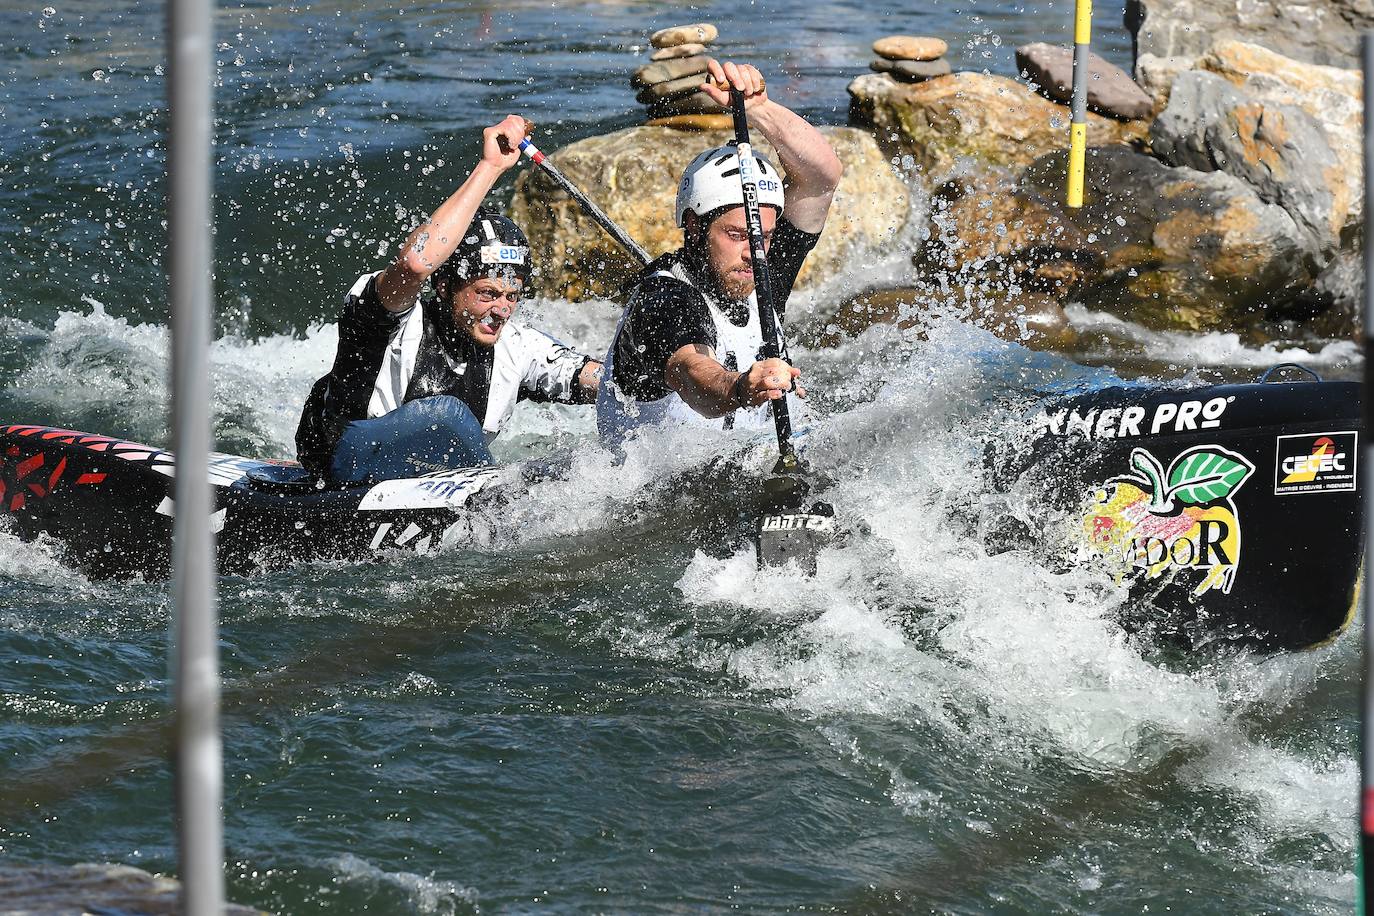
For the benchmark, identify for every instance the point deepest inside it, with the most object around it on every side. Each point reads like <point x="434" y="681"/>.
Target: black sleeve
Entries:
<point x="365" y="328"/>
<point x="664" y="316"/>
<point x="786" y="253"/>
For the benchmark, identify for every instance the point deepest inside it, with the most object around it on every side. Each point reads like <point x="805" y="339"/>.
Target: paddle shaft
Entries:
<point x="595" y="212"/>
<point x="758" y="260"/>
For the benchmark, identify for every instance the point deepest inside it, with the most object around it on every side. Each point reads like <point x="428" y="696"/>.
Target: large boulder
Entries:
<point x="1111" y="91"/>
<point x="1166" y="247"/>
<point x="1316" y="31"/>
<point x="1279" y="150"/>
<point x="633" y="173"/>
<point x="989" y="119"/>
<point x="1333" y="96"/>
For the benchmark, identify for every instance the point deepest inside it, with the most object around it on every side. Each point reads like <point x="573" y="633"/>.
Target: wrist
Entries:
<point x="739" y="390"/>
<point x="765" y="116"/>
<point x="487" y="171"/>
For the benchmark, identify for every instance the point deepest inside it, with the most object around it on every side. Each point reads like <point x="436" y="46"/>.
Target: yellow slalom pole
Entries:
<point x="1078" y="127"/>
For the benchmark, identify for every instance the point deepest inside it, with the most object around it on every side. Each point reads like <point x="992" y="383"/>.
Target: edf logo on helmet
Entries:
<point x="504" y="254"/>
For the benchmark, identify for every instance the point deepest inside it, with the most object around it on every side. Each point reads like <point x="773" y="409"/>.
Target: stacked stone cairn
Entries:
<point x="670" y="84"/>
<point x="910" y="58"/>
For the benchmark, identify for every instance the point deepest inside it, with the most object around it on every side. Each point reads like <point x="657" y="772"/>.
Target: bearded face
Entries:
<point x="727" y="249"/>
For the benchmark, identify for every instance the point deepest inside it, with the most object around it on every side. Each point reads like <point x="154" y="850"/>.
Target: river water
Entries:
<point x="594" y="713"/>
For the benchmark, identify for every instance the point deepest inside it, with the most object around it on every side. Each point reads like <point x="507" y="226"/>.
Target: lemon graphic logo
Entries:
<point x="1166" y="522"/>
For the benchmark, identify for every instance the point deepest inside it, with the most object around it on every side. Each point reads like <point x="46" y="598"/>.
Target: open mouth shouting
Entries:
<point x="484" y="308"/>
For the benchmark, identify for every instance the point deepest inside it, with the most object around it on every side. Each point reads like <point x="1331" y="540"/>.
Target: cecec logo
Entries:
<point x="1305" y="468"/>
<point x="1163" y="522"/>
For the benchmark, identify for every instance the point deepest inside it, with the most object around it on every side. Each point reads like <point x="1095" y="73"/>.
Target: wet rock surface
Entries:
<point x="1315" y="31"/>
<point x="1036" y="320"/>
<point x="51" y="890"/>
<point x="989" y="120"/>
<point x="912" y="71"/>
<point x="632" y="174"/>
<point x="910" y="47"/>
<point x="1278" y="150"/>
<point x="1334" y="97"/>
<point x="687" y="50"/>
<point x="667" y="70"/>
<point x="1163" y="246"/>
<point x="1111" y="91"/>
<point x="701" y="33"/>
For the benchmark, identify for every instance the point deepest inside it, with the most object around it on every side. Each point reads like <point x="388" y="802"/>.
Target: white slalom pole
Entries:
<point x="199" y="764"/>
<point x="1367" y="706"/>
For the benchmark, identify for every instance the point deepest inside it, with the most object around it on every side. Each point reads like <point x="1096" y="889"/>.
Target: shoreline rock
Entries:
<point x="1166" y="247"/>
<point x="1278" y="150"/>
<point x="633" y="173"/>
<point x="912" y="71"/>
<point x="86" y="888"/>
<point x="910" y="47"/>
<point x="1313" y="31"/>
<point x="701" y="33"/>
<point x="1111" y="91"/>
<point x="989" y="119"/>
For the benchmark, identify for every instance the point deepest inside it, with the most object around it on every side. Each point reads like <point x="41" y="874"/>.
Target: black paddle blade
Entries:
<point x="789" y="529"/>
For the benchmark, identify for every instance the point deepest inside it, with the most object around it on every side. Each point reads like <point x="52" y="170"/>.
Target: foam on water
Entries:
<point x="917" y="625"/>
<point x="418" y="893"/>
<point x="998" y="651"/>
<point x="1210" y="348"/>
<point x="110" y="376"/>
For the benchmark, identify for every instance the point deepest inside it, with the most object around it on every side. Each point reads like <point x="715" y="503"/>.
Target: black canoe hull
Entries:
<point x="1235" y="507"/>
<point x="1233" y="510"/>
<point x="110" y="504"/>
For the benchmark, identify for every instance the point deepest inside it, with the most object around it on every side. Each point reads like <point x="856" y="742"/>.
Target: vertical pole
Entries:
<point x="1078" y="126"/>
<point x="1364" y="898"/>
<point x="199" y="768"/>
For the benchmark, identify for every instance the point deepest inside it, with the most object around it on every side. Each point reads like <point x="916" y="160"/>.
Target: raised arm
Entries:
<point x="811" y="166"/>
<point x="437" y="238"/>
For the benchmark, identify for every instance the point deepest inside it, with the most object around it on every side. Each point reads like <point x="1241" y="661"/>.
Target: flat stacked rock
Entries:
<point x="1111" y="91"/>
<point x="670" y="84"/>
<point x="910" y="58"/>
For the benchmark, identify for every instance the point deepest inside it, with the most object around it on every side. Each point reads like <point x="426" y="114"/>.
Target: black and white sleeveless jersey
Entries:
<point x="386" y="359"/>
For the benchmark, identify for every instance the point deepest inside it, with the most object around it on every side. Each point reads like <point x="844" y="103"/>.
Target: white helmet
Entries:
<point x="712" y="182"/>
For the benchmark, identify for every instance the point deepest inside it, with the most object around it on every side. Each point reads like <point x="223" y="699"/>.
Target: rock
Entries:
<point x="87" y="888"/>
<point x="910" y="47"/>
<point x="703" y="33"/>
<point x="1036" y="320"/>
<point x="698" y="103"/>
<point x="694" y="122"/>
<point x="990" y="119"/>
<point x="1315" y="31"/>
<point x="911" y="71"/>
<point x="688" y="50"/>
<point x="633" y="173"/>
<point x="1333" y="96"/>
<point x="1163" y="246"/>
<point x="1155" y="75"/>
<point x="667" y="70"/>
<point x="1279" y="150"/>
<point x="1334" y="306"/>
<point x="670" y="89"/>
<point x="1110" y="91"/>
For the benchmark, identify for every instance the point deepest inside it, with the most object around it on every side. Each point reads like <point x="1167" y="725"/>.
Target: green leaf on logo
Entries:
<point x="1206" y="474"/>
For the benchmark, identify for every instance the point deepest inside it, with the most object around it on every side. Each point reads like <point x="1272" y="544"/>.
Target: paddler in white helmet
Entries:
<point x="687" y="345"/>
<point x="424" y="383"/>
